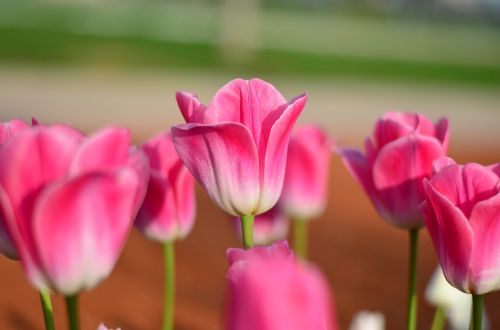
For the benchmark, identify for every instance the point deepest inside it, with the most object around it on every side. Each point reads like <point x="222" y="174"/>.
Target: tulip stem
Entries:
<point x="412" y="281"/>
<point x="477" y="312"/>
<point x="48" y="314"/>
<point x="439" y="320"/>
<point x="72" y="310"/>
<point x="300" y="238"/>
<point x="168" y="312"/>
<point x="247" y="231"/>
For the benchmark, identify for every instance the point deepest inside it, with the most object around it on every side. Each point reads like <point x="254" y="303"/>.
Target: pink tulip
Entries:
<point x="268" y="227"/>
<point x="270" y="289"/>
<point x="305" y="188"/>
<point x="70" y="201"/>
<point x="168" y="211"/>
<point x="462" y="215"/>
<point x="7" y="130"/>
<point x="396" y="160"/>
<point x="236" y="147"/>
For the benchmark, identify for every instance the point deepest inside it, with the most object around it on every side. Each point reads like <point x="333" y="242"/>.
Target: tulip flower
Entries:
<point x="103" y="327"/>
<point x="365" y="320"/>
<point x="305" y="187"/>
<point x="268" y="227"/>
<point x="69" y="202"/>
<point x="236" y="148"/>
<point x="462" y="215"/>
<point x="450" y="303"/>
<point x="168" y="211"/>
<point x="270" y="289"/>
<point x="397" y="158"/>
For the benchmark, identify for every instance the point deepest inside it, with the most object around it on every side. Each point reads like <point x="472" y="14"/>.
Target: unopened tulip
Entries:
<point x="236" y="147"/>
<point x="462" y="215"/>
<point x="69" y="202"/>
<point x="269" y="289"/>
<point x="396" y="159"/>
<point x="168" y="211"/>
<point x="268" y="227"/>
<point x="305" y="187"/>
<point x="7" y="130"/>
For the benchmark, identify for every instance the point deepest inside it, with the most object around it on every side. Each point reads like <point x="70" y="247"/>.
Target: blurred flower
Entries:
<point x="270" y="289"/>
<point x="69" y="202"/>
<point x="305" y="187"/>
<point x="398" y="157"/>
<point x="169" y="209"/>
<point x="7" y="130"/>
<point x="103" y="327"/>
<point x="236" y="147"/>
<point x="268" y="227"/>
<point x="365" y="320"/>
<point x="456" y="304"/>
<point x="462" y="215"/>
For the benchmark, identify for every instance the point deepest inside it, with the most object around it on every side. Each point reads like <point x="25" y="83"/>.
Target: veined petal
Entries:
<point x="191" y="108"/>
<point x="80" y="226"/>
<point x="223" y="159"/>
<point x="451" y="235"/>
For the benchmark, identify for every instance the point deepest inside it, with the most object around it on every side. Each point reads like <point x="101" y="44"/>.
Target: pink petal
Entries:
<point x="7" y="221"/>
<point x="393" y="126"/>
<point x="248" y="102"/>
<point x="465" y="186"/>
<point x="495" y="168"/>
<point x="104" y="150"/>
<point x="441" y="163"/>
<point x="161" y="152"/>
<point x="278" y="250"/>
<point x="34" y="157"/>
<point x="138" y="161"/>
<point x="272" y="156"/>
<point x="451" y="235"/>
<point x="223" y="159"/>
<point x="185" y="199"/>
<point x="80" y="226"/>
<point x="191" y="108"/>
<point x="485" y="259"/>
<point x="10" y="128"/>
<point x="397" y="175"/>
<point x="443" y="133"/>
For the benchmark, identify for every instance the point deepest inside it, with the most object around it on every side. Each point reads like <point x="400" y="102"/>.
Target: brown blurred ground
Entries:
<point x="364" y="259"/>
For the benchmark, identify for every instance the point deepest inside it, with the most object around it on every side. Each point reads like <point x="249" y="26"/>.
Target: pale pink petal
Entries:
<point x="466" y="185"/>
<point x="138" y="161"/>
<point x="80" y="226"/>
<point x="161" y="152"/>
<point x="485" y="259"/>
<point x="185" y="198"/>
<point x="191" y="108"/>
<point x="273" y="160"/>
<point x="441" y="163"/>
<point x="451" y="235"/>
<point x="397" y="176"/>
<point x="8" y="129"/>
<point x="104" y="150"/>
<point x="278" y="250"/>
<point x="223" y="159"/>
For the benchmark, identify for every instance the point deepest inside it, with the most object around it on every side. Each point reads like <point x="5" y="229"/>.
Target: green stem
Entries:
<point x="412" y="281"/>
<point x="439" y="320"/>
<point x="300" y="238"/>
<point x="247" y="231"/>
<point x="48" y="314"/>
<point x="168" y="312"/>
<point x="72" y="310"/>
<point x="477" y="312"/>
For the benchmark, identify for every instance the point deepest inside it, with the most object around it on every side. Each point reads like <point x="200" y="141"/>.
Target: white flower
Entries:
<point x="366" y="320"/>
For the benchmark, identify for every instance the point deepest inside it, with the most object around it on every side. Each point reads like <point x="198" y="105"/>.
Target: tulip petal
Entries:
<point x="277" y="251"/>
<point x="34" y="157"/>
<point x="223" y="159"/>
<point x="464" y="186"/>
<point x="106" y="149"/>
<point x="485" y="260"/>
<point x="273" y="160"/>
<point x="185" y="199"/>
<point x="495" y="168"/>
<point x="441" y="163"/>
<point x="451" y="235"/>
<point x="443" y="133"/>
<point x="8" y="129"/>
<point x="191" y="108"/>
<point x="80" y="226"/>
<point x="7" y="221"/>
<point x="397" y="175"/>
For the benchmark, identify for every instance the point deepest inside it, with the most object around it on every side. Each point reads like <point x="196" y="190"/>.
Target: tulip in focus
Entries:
<point x="462" y="215"/>
<point x="69" y="202"/>
<point x="366" y="320"/>
<point x="270" y="289"/>
<point x="236" y="147"/>
<point x="169" y="209"/>
<point x="397" y="158"/>
<point x="269" y="227"/>
<point x="305" y="187"/>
